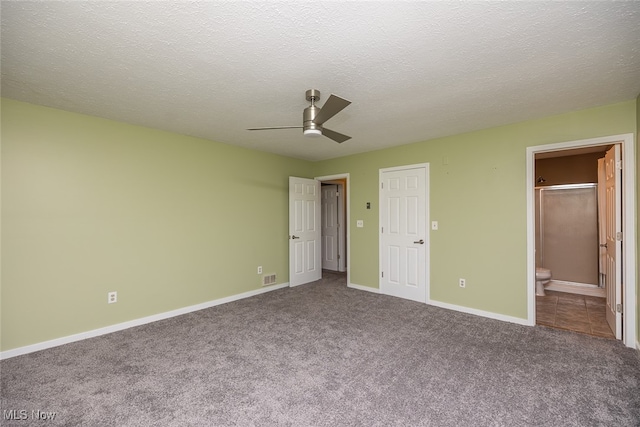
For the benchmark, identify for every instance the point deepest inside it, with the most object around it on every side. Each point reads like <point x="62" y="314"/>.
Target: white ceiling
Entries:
<point x="413" y="70"/>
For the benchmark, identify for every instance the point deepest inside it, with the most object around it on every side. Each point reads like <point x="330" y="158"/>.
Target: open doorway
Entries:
<point x="305" y="228"/>
<point x="569" y="212"/>
<point x="570" y="219"/>
<point x="335" y="223"/>
<point x="560" y="198"/>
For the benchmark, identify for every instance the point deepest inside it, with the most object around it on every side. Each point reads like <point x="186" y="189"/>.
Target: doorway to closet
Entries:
<point x="318" y="231"/>
<point x="333" y="232"/>
<point x="335" y="208"/>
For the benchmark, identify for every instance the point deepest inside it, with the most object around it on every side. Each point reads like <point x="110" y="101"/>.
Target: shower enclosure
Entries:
<point x="567" y="239"/>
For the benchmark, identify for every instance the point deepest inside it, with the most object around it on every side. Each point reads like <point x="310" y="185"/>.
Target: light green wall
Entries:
<point x="477" y="194"/>
<point x="91" y="206"/>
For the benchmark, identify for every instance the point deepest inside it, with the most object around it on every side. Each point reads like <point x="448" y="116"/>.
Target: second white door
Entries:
<point x="330" y="227"/>
<point x="404" y="240"/>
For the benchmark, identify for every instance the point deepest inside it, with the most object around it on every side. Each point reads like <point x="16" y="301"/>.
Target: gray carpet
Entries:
<point x="325" y="355"/>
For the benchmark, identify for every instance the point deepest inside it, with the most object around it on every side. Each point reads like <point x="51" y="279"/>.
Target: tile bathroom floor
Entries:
<point x="579" y="313"/>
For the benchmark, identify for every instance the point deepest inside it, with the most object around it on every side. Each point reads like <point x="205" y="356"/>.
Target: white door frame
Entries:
<point x="347" y="189"/>
<point x="628" y="226"/>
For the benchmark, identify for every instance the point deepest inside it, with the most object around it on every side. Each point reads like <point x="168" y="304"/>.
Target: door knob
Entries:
<point x="294" y="237"/>
<point x="603" y="245"/>
<point x="421" y="242"/>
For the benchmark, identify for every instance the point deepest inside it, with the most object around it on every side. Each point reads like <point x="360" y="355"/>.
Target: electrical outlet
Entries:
<point x="462" y="283"/>
<point x="259" y="269"/>
<point x="112" y="297"/>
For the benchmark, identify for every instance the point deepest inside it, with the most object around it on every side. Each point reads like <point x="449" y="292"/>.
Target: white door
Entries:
<point x="613" y="267"/>
<point x="330" y="225"/>
<point x="602" y="224"/>
<point x="304" y="231"/>
<point x="403" y="232"/>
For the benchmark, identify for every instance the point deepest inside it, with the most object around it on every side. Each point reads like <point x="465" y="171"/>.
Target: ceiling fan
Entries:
<point x="314" y="117"/>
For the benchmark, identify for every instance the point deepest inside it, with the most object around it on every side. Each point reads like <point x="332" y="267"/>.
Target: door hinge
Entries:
<point x="381" y="230"/>
<point x="619" y="308"/>
<point x="619" y="236"/>
<point x="382" y="274"/>
<point x="382" y="185"/>
<point x="619" y="165"/>
<point x="338" y="256"/>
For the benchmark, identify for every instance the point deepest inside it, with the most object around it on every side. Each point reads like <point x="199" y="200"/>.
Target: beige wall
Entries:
<point x="578" y="169"/>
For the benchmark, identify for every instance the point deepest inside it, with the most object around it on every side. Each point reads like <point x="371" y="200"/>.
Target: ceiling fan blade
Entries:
<point x="333" y="106"/>
<point x="336" y="136"/>
<point x="277" y="127"/>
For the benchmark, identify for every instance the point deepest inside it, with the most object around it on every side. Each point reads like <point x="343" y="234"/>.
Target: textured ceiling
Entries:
<point x="413" y="70"/>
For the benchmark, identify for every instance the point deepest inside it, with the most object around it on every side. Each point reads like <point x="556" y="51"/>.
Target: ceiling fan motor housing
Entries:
<point x="309" y="128"/>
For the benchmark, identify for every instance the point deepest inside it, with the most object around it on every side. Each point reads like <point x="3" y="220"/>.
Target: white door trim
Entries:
<point x="342" y="232"/>
<point x="628" y="225"/>
<point x="344" y="176"/>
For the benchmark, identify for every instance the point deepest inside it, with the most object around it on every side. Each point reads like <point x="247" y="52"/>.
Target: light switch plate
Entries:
<point x="434" y="225"/>
<point x="359" y="223"/>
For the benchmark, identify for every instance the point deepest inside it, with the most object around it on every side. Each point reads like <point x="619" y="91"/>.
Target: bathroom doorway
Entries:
<point x="568" y="208"/>
<point x="563" y="202"/>
<point x="567" y="241"/>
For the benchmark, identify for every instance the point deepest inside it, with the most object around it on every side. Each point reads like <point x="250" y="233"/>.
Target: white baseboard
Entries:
<point x="454" y="307"/>
<point x="481" y="313"/>
<point x="363" y="288"/>
<point x="136" y="322"/>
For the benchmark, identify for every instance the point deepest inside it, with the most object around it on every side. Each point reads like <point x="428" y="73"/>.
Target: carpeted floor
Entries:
<point x="325" y="355"/>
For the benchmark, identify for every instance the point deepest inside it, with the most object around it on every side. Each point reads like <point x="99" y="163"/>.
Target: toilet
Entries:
<point x="543" y="276"/>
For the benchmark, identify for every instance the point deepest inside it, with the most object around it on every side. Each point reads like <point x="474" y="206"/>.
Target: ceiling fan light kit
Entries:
<point x="313" y="117"/>
<point x="313" y="133"/>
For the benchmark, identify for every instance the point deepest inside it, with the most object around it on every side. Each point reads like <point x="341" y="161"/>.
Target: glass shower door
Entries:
<point x="568" y="232"/>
